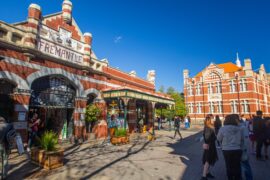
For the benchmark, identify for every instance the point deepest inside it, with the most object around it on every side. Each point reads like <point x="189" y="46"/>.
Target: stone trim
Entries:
<point x="20" y="82"/>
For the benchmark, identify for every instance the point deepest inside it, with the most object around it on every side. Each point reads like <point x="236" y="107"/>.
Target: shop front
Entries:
<point x="53" y="99"/>
<point x="133" y="110"/>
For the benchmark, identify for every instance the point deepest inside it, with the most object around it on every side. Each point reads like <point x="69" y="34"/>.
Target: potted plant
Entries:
<point x="48" y="155"/>
<point x="120" y="136"/>
<point x="91" y="116"/>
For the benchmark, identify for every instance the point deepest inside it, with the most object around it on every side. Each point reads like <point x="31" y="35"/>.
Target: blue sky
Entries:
<point x="166" y="35"/>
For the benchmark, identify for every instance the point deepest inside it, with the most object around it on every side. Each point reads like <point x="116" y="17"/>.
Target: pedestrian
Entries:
<point x="251" y="134"/>
<point x="259" y="129"/>
<point x="159" y="122"/>
<point x="217" y="125"/>
<point x="33" y="130"/>
<point x="186" y="122"/>
<point x="245" y="165"/>
<point x="209" y="148"/>
<point x="177" y="127"/>
<point x="267" y="139"/>
<point x="5" y="128"/>
<point x="232" y="140"/>
<point x="189" y="121"/>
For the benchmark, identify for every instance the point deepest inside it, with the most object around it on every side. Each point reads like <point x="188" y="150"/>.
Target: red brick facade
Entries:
<point x="22" y="62"/>
<point x="224" y="89"/>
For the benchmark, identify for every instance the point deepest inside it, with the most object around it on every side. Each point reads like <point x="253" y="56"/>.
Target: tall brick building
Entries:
<point x="222" y="89"/>
<point x="47" y="65"/>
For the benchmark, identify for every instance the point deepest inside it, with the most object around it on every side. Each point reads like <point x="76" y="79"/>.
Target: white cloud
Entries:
<point x="117" y="39"/>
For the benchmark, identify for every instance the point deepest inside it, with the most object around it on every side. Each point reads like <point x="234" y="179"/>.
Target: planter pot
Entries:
<point x="47" y="160"/>
<point x="120" y="140"/>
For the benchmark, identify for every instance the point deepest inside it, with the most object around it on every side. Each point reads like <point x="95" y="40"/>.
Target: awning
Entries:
<point x="136" y="94"/>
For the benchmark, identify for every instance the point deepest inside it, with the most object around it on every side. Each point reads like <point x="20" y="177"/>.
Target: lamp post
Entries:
<point x="238" y="95"/>
<point x="193" y="82"/>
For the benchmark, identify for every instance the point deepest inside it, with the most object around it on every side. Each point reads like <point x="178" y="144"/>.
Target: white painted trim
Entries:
<point x="20" y="82"/>
<point x="57" y="71"/>
<point x="92" y="91"/>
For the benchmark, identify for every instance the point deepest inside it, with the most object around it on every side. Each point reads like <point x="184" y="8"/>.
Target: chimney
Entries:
<point x="185" y="75"/>
<point x="248" y="65"/>
<point x="151" y="76"/>
<point x="87" y="48"/>
<point x="67" y="11"/>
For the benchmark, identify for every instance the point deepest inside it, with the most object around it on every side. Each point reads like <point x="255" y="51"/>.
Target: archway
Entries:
<point x="53" y="98"/>
<point x="6" y="99"/>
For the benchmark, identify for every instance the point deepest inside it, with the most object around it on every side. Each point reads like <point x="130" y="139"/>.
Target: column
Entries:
<point x="79" y="114"/>
<point x="154" y="112"/>
<point x="101" y="129"/>
<point x="21" y="106"/>
<point x="125" y="100"/>
<point x="132" y="115"/>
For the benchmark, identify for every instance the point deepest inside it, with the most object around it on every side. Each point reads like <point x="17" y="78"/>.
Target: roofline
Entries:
<point x="46" y="16"/>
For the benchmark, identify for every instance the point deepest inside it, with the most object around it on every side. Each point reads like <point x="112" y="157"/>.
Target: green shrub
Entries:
<point x="48" y="141"/>
<point x="121" y="132"/>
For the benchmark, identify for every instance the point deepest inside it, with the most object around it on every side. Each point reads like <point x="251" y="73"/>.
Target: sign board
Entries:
<point x="21" y="116"/>
<point x="214" y="97"/>
<point x="60" y="45"/>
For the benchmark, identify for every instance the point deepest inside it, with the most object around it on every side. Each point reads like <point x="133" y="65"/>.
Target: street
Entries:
<point x="164" y="158"/>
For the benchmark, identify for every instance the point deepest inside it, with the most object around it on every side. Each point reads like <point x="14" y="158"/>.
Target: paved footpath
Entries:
<point x="163" y="159"/>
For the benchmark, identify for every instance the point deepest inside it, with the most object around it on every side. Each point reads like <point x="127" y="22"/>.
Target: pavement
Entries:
<point x="163" y="159"/>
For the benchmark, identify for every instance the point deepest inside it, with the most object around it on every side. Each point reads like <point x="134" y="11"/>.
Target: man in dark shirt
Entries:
<point x="259" y="129"/>
<point x="177" y="127"/>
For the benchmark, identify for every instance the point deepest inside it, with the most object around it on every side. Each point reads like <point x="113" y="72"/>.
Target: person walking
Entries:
<point x="177" y="127"/>
<point x="33" y="130"/>
<point x="5" y="128"/>
<point x="217" y="125"/>
<point x="209" y="148"/>
<point x="251" y="135"/>
<point x="259" y="129"/>
<point x="267" y="138"/>
<point x="245" y="165"/>
<point x="232" y="140"/>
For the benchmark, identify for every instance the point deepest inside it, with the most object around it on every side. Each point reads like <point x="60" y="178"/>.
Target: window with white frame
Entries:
<point x="243" y="85"/>
<point x="232" y="86"/>
<point x="210" y="88"/>
<point x="219" y="88"/>
<point x="211" y="107"/>
<point x="234" y="106"/>
<point x="190" y="90"/>
<point x="191" y="110"/>
<point x="198" y="89"/>
<point x="219" y="106"/>
<point x="245" y="106"/>
<point x="199" y="108"/>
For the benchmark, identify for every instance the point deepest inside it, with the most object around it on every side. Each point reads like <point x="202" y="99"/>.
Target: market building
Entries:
<point x="47" y="65"/>
<point x="222" y="89"/>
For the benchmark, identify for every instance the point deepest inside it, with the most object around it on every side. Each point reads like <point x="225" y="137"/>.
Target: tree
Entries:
<point x="170" y="90"/>
<point x="179" y="108"/>
<point x="161" y="89"/>
<point x="91" y="115"/>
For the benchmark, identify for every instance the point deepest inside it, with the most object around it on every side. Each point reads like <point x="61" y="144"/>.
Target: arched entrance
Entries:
<point x="53" y="98"/>
<point x="6" y="99"/>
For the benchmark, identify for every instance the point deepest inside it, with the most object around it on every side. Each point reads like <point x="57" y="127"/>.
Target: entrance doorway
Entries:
<point x="6" y="99"/>
<point x="53" y="98"/>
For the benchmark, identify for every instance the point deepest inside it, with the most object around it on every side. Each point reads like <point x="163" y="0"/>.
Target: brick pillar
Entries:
<point x="101" y="129"/>
<point x="67" y="11"/>
<point x="34" y="16"/>
<point x="132" y="115"/>
<point x="102" y="105"/>
<point x="79" y="123"/>
<point x="87" y="48"/>
<point x="20" y="117"/>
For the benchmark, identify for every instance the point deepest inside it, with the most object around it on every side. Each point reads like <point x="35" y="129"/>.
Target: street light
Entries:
<point x="237" y="85"/>
<point x="194" y="99"/>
